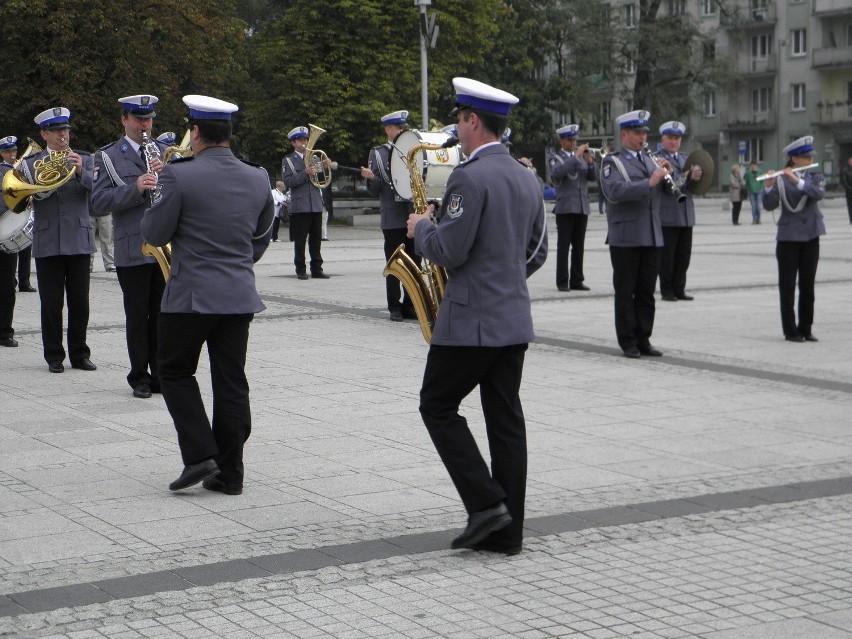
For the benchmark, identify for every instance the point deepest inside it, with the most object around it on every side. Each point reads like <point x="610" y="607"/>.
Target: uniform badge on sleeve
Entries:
<point x="95" y="172"/>
<point x="607" y="168"/>
<point x="455" y="208"/>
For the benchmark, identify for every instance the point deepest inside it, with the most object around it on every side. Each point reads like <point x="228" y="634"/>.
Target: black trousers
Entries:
<point x="394" y="290"/>
<point x="142" y="287"/>
<point x="8" y="264"/>
<point x="306" y="227"/>
<point x="735" y="211"/>
<point x="634" y="278"/>
<point x="677" y="251"/>
<point x="797" y="259"/>
<point x="571" y="232"/>
<point x="849" y="205"/>
<point x="60" y="277"/>
<point x="276" y="224"/>
<point x="181" y="336"/>
<point x="452" y="372"/>
<point x="24" y="266"/>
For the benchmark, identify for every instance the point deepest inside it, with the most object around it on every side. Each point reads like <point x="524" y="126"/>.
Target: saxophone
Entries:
<point x="424" y="284"/>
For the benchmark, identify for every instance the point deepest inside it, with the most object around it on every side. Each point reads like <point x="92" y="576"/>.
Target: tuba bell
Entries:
<point x="163" y="255"/>
<point x="322" y="178"/>
<point x="50" y="173"/>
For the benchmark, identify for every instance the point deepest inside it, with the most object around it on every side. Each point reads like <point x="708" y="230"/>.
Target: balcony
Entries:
<point x="752" y="18"/>
<point x="758" y="66"/>
<point x="747" y="122"/>
<point x="832" y="7"/>
<point x="832" y="57"/>
<point x="833" y="113"/>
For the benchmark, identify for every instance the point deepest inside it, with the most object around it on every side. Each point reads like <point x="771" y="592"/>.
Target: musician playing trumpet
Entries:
<point x="797" y="238"/>
<point x="125" y="177"/>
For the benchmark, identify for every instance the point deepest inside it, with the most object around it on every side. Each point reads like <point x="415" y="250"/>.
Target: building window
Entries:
<point x="710" y="103"/>
<point x="761" y="46"/>
<point x="708" y="7"/>
<point x="677" y="7"/>
<point x="755" y="150"/>
<point x="761" y="100"/>
<point x="606" y="116"/>
<point x="630" y="16"/>
<point x="798" y="42"/>
<point x="708" y="51"/>
<point x="798" y="94"/>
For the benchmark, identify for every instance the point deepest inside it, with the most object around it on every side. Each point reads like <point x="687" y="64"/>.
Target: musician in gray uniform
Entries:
<point x="676" y="218"/>
<point x="571" y="170"/>
<point x="62" y="243"/>
<point x="393" y="213"/>
<point x="8" y="264"/>
<point x="306" y="206"/>
<point x="8" y="154"/>
<point x="491" y="237"/>
<point x="797" y="239"/>
<point x="210" y="296"/>
<point x="632" y="185"/>
<point x="124" y="175"/>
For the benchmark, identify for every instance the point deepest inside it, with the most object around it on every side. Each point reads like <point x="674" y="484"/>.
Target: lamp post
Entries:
<point x="428" y="37"/>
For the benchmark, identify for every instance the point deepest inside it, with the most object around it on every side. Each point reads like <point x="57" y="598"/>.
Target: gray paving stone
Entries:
<point x="145" y="584"/>
<point x="295" y="561"/>
<point x="209" y="574"/>
<point x="65" y="596"/>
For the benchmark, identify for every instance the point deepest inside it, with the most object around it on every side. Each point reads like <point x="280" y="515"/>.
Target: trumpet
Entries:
<point x="774" y="174"/>
<point x="598" y="154"/>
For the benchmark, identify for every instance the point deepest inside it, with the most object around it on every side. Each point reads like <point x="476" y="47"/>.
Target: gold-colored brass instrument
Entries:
<point x="322" y="178"/>
<point x="32" y="149"/>
<point x="424" y="284"/>
<point x="775" y="174"/>
<point x="701" y="158"/>
<point x="599" y="153"/>
<point x="184" y="150"/>
<point x="50" y="173"/>
<point x="163" y="255"/>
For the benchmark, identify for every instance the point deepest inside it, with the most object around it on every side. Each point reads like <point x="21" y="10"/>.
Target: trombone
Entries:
<point x="774" y="174"/>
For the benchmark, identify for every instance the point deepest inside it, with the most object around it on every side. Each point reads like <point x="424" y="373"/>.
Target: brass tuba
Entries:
<point x="182" y="151"/>
<point x="163" y="255"/>
<point x="50" y="173"/>
<point x="425" y="284"/>
<point x="322" y="178"/>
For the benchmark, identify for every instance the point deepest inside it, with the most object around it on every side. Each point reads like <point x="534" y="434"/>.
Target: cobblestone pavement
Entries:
<point x="339" y="460"/>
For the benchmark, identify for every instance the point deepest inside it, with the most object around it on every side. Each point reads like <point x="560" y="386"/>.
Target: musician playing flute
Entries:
<point x="125" y="175"/>
<point x="797" y="238"/>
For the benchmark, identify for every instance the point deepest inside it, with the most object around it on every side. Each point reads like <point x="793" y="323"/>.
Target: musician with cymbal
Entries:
<point x="797" y="192"/>
<point x="8" y="261"/>
<point x="393" y="213"/>
<point x="63" y="240"/>
<point x="124" y="179"/>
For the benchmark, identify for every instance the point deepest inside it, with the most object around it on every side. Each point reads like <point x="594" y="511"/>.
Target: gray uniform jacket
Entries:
<point x="571" y="176"/>
<point x="801" y="220"/>
<point x="673" y="213"/>
<point x="62" y="225"/>
<point x="633" y="208"/>
<point x="217" y="213"/>
<point x="304" y="196"/>
<point x="491" y="236"/>
<point x="394" y="213"/>
<point x="117" y="166"/>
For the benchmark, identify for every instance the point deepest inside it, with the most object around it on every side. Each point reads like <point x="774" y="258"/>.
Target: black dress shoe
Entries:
<point x="685" y="297"/>
<point x="303" y="276"/>
<point x="142" y="391"/>
<point x="55" y="367"/>
<point x="808" y="338"/>
<point x="650" y="351"/>
<point x="581" y="287"/>
<point x="632" y="352"/>
<point x="320" y="276"/>
<point x="84" y="364"/>
<point x="795" y="338"/>
<point x="564" y="289"/>
<point x="217" y="485"/>
<point x="669" y="298"/>
<point x="26" y="288"/>
<point x="9" y="342"/>
<point x="481" y="524"/>
<point x="195" y="473"/>
<point x="409" y="313"/>
<point x="396" y="316"/>
<point x="493" y="545"/>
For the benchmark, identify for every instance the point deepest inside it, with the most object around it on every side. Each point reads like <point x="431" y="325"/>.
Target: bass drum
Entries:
<point x="434" y="166"/>
<point x="16" y="230"/>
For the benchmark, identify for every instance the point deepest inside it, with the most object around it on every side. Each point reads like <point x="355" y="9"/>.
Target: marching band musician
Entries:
<point x="306" y="206"/>
<point x="8" y="154"/>
<point x="122" y="183"/>
<point x="571" y="169"/>
<point x="62" y="243"/>
<point x="393" y="212"/>
<point x="8" y="261"/>
<point x="797" y="238"/>
<point x="677" y="218"/>
<point x="211" y="295"/>
<point x="491" y="236"/>
<point x="632" y="184"/>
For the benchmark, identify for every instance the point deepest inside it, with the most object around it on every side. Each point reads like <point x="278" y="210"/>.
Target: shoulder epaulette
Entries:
<point x="105" y="147"/>
<point x="83" y="153"/>
<point x="254" y="164"/>
<point x="186" y="159"/>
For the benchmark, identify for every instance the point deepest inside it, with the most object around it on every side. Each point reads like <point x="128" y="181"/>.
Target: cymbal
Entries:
<point x="701" y="158"/>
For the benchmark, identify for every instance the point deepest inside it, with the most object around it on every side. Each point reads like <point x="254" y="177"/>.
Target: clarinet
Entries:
<point x="152" y="152"/>
<point x="669" y="185"/>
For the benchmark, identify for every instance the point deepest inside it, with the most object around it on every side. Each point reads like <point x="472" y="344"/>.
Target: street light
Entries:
<point x="428" y="37"/>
